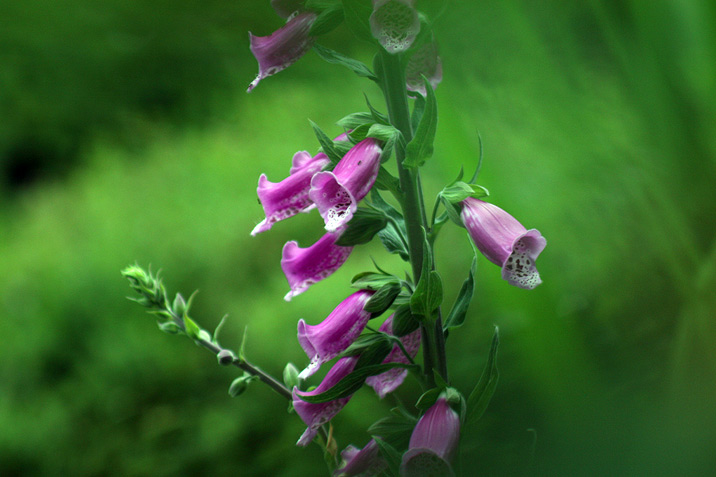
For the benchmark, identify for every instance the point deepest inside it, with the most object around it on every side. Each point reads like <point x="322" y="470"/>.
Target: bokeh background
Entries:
<point x="126" y="135"/>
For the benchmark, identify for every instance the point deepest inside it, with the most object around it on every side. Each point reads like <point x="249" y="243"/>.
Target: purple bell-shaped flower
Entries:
<point x="433" y="442"/>
<point x="283" y="47"/>
<point x="281" y="200"/>
<point x="336" y="193"/>
<point x="504" y="241"/>
<point x="326" y="340"/>
<point x="304" y="267"/>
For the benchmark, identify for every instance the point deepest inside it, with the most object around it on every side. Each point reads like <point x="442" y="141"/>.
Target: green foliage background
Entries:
<point x="126" y="136"/>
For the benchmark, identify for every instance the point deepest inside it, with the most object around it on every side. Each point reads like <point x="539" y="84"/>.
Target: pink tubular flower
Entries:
<point x="283" y="47"/>
<point x="504" y="241"/>
<point x="304" y="267"/>
<point x="433" y="442"/>
<point x="387" y="382"/>
<point x="337" y="193"/>
<point x="359" y="462"/>
<point x="326" y="340"/>
<point x="287" y="198"/>
<point x="317" y="414"/>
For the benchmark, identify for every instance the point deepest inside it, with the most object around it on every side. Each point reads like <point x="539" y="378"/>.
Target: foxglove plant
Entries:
<point x="349" y="182"/>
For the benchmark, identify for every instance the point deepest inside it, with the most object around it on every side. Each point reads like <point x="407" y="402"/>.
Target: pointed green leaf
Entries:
<point x="457" y="314"/>
<point x="355" y="120"/>
<point x="420" y="148"/>
<point x="191" y="329"/>
<point x="373" y="281"/>
<point x="428" y="398"/>
<point x="332" y="56"/>
<point x="327" y="144"/>
<point x="403" y="321"/>
<point x="382" y="298"/>
<point x="485" y="388"/>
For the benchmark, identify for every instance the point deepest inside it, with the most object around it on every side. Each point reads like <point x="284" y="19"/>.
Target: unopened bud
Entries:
<point x="239" y="385"/>
<point x="169" y="327"/>
<point x="226" y="357"/>
<point x="290" y="376"/>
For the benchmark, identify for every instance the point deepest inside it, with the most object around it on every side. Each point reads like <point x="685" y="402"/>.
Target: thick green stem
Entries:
<point x="393" y="83"/>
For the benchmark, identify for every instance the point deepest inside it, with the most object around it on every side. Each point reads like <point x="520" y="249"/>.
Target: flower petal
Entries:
<point x="387" y="382"/>
<point x="304" y="267"/>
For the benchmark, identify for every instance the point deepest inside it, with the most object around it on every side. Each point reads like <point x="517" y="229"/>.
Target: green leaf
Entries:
<point x="355" y="120"/>
<point x="403" y="321"/>
<point x="373" y="281"/>
<point x="377" y="115"/>
<point x="386" y="181"/>
<point x="357" y="13"/>
<point x="362" y="227"/>
<point x="327" y="144"/>
<point x="191" y="329"/>
<point x="452" y="211"/>
<point x="363" y="342"/>
<point x="383" y="132"/>
<point x="332" y="56"/>
<point x="485" y="387"/>
<point x="393" y="235"/>
<point x="428" y="398"/>
<point x="420" y="148"/>
<point x="328" y="20"/>
<point x="457" y="314"/>
<point x="383" y="298"/>
<point x="395" y="429"/>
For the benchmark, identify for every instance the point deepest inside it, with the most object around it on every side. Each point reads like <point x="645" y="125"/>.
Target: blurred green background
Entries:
<point x="126" y="136"/>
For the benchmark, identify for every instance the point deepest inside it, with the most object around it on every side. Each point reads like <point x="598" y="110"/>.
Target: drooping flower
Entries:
<point x="304" y="267"/>
<point x="326" y="340"/>
<point x="337" y="193"/>
<point x="283" y="47"/>
<point x="395" y="24"/>
<point x="317" y="414"/>
<point x="504" y="241"/>
<point x="361" y="462"/>
<point x="433" y="442"/>
<point x="425" y="61"/>
<point x="387" y="382"/>
<point x="281" y="200"/>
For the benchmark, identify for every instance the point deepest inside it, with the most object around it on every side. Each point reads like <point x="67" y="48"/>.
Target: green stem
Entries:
<point x="392" y="77"/>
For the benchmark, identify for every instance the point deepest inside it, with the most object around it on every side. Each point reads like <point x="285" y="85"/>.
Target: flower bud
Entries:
<point x="225" y="357"/>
